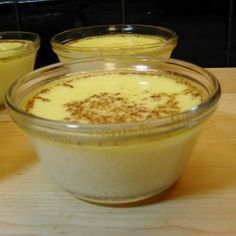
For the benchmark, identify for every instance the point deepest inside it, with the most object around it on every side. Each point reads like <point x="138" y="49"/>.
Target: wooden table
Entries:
<point x="202" y="202"/>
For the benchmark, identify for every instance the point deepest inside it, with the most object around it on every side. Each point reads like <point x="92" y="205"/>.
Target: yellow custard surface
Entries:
<point x="14" y="49"/>
<point x="112" y="97"/>
<point x="117" y="41"/>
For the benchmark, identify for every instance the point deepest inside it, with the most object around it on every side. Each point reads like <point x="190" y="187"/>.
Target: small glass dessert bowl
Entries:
<point x="114" y="130"/>
<point x="17" y="57"/>
<point x="114" y="40"/>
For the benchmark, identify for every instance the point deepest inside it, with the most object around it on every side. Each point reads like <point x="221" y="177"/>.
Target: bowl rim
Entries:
<point x="195" y="114"/>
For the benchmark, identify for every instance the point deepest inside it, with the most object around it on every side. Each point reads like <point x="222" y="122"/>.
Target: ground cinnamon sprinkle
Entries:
<point x="31" y="102"/>
<point x="114" y="108"/>
<point x="68" y="85"/>
<point x="44" y="91"/>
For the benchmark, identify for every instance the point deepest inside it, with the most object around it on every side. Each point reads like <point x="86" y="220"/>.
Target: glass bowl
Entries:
<point x="17" y="57"/>
<point x="113" y="40"/>
<point x="114" y="163"/>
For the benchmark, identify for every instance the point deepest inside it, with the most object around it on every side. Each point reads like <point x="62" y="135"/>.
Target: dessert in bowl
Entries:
<point x="114" y="40"/>
<point x="17" y="57"/>
<point x="119" y="130"/>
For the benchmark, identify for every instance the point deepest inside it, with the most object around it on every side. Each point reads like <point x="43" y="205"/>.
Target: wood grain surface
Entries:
<point x="202" y="202"/>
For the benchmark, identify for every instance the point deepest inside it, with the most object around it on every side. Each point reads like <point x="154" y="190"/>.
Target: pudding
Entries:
<point x="120" y="169"/>
<point x="118" y="44"/>
<point x="119" y="135"/>
<point x="114" y="40"/>
<point x="17" y="58"/>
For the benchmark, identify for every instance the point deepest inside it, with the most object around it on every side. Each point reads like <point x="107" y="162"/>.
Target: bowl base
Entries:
<point x="149" y="198"/>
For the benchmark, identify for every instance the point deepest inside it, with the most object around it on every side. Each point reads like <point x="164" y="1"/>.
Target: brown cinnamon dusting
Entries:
<point x="44" y="90"/>
<point x="114" y="108"/>
<point x="30" y="103"/>
<point x="67" y="85"/>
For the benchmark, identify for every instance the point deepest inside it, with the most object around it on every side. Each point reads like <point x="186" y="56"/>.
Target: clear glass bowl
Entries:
<point x="17" y="57"/>
<point x="139" y="40"/>
<point x="115" y="163"/>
